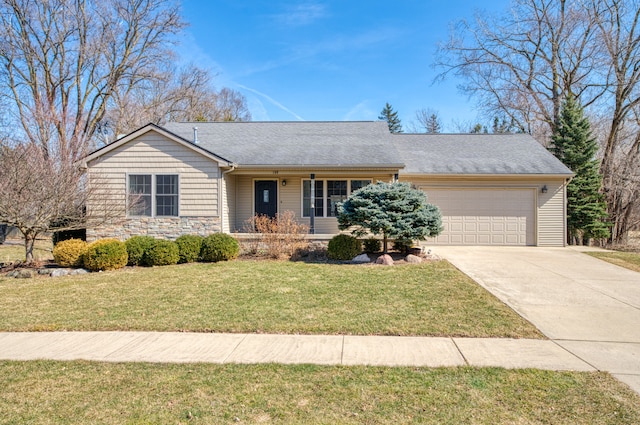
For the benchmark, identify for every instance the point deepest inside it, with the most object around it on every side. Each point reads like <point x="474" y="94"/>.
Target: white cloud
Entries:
<point x="272" y="101"/>
<point x="361" y="112"/>
<point x="301" y="14"/>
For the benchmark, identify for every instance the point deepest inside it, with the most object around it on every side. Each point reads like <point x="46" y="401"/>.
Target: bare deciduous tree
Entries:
<point x="619" y="35"/>
<point x="62" y="61"/>
<point x="174" y="95"/>
<point x="41" y="195"/>
<point x="427" y="121"/>
<point x="523" y="64"/>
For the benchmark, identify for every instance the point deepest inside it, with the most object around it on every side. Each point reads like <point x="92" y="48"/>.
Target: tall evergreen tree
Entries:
<point x="575" y="146"/>
<point x="391" y="117"/>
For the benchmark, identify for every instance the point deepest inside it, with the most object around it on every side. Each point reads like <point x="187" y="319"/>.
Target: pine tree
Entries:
<point x="391" y="117"/>
<point x="575" y="146"/>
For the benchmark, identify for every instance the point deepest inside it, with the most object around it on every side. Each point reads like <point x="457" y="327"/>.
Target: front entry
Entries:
<point x="266" y="197"/>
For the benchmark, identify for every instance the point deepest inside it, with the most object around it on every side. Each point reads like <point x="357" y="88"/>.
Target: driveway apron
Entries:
<point x="589" y="307"/>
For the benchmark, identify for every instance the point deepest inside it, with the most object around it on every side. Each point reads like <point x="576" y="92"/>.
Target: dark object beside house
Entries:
<point x="64" y="235"/>
<point x="3" y="232"/>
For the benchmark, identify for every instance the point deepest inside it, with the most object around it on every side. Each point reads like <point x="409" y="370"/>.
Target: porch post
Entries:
<point x="312" y="218"/>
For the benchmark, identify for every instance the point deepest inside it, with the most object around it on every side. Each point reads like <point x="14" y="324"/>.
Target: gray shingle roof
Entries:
<point x="475" y="154"/>
<point x="361" y="144"/>
<point x="300" y="143"/>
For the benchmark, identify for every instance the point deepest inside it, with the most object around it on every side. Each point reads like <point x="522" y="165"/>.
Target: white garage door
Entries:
<point x="485" y="216"/>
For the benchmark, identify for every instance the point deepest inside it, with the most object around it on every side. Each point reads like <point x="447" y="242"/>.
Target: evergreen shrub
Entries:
<point x="343" y="247"/>
<point x="372" y="245"/>
<point x="402" y="245"/>
<point x="161" y="253"/>
<point x="105" y="254"/>
<point x="219" y="247"/>
<point x="137" y="246"/>
<point x="68" y="253"/>
<point x="189" y="247"/>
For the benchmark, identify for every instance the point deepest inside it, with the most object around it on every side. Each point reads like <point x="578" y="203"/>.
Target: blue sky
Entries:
<point x="331" y="60"/>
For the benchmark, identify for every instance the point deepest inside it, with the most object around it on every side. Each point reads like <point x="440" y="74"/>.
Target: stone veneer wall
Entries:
<point x="159" y="227"/>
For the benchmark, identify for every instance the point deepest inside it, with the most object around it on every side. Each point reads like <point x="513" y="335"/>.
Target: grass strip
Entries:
<point x="431" y="299"/>
<point x="628" y="260"/>
<point x="48" y="392"/>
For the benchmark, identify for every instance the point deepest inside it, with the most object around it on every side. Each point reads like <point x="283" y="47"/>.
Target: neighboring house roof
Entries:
<point x="300" y="143"/>
<point x="476" y="154"/>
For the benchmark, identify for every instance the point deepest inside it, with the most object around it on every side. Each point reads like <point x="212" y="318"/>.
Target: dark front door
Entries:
<point x="266" y="197"/>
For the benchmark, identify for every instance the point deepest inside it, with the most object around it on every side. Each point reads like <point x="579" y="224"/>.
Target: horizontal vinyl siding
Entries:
<point x="228" y="203"/>
<point x="551" y="216"/>
<point x="152" y="153"/>
<point x="244" y="201"/>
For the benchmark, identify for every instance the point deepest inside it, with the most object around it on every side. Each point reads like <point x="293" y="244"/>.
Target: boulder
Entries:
<point x="362" y="258"/>
<point x="78" y="271"/>
<point x="385" y="260"/>
<point x="59" y="272"/>
<point x="413" y="259"/>
<point x="24" y="274"/>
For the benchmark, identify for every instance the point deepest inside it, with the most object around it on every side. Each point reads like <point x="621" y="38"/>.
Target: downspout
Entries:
<point x="220" y="203"/>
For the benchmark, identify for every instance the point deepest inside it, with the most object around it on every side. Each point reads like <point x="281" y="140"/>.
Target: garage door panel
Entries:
<point x="476" y="216"/>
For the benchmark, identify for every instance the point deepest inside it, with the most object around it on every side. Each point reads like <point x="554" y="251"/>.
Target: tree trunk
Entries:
<point x="29" y="242"/>
<point x="384" y="243"/>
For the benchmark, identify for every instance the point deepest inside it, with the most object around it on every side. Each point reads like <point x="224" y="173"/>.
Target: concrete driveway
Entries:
<point x="587" y="306"/>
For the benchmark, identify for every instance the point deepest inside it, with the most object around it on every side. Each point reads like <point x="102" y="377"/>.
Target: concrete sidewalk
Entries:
<point x="174" y="347"/>
<point x="587" y="306"/>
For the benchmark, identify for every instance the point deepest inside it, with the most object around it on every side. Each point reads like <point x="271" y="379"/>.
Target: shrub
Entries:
<point x="68" y="253"/>
<point x="137" y="246"/>
<point x="281" y="235"/>
<point x="189" y="247"/>
<point x="161" y="253"/>
<point x="219" y="247"/>
<point x="402" y="245"/>
<point x="343" y="247"/>
<point x="372" y="245"/>
<point x="105" y="254"/>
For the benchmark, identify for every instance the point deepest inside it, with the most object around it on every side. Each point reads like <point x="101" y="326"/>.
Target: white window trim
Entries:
<point x="324" y="193"/>
<point x="153" y="193"/>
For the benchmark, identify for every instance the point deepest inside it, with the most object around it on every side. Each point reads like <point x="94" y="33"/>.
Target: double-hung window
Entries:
<point x="153" y="195"/>
<point x="328" y="193"/>
<point x="306" y="198"/>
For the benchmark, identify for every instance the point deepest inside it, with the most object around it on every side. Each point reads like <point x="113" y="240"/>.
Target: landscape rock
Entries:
<point x="362" y="258"/>
<point x="385" y="260"/>
<point x="413" y="259"/>
<point x="24" y="274"/>
<point x="78" y="271"/>
<point x="59" y="272"/>
<point x="44" y="272"/>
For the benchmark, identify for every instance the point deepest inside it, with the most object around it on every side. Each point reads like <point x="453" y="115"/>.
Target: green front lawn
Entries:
<point x="13" y="250"/>
<point x="264" y="296"/>
<point x="628" y="260"/>
<point x="48" y="392"/>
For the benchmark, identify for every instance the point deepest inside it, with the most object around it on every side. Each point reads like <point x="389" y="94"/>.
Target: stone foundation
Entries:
<point x="158" y="227"/>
